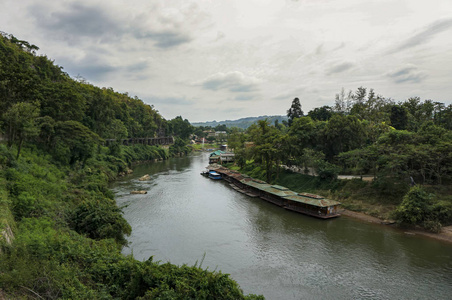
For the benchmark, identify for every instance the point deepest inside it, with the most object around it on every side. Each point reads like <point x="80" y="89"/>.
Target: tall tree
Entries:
<point x="20" y="123"/>
<point x="399" y="117"/>
<point x="294" y="111"/>
<point x="343" y="102"/>
<point x="268" y="145"/>
<point x="323" y="113"/>
<point x="181" y="128"/>
<point x="343" y="133"/>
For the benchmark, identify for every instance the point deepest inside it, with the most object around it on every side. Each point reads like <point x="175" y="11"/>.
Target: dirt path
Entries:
<point x="445" y="234"/>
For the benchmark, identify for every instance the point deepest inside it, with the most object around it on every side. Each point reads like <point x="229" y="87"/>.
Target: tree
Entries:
<point x="181" y="128"/>
<point x="20" y="123"/>
<point x="269" y="145"/>
<point x="301" y="136"/>
<point x="415" y="207"/>
<point x="323" y="113"/>
<point x="73" y="142"/>
<point x="343" y="133"/>
<point x="399" y="117"/>
<point x="294" y="111"/>
<point x="343" y="102"/>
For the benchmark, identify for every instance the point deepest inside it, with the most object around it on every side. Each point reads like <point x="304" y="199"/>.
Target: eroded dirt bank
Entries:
<point x="445" y="234"/>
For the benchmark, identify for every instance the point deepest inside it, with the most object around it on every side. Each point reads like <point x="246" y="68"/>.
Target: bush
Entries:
<point x="442" y="211"/>
<point x="433" y="226"/>
<point x="101" y="220"/>
<point x="415" y="207"/>
<point x="326" y="170"/>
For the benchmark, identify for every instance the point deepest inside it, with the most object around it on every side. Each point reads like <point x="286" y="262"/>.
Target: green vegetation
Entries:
<point x="396" y="144"/>
<point x="61" y="232"/>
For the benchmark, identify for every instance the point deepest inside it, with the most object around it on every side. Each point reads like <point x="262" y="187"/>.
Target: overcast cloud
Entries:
<point x="217" y="60"/>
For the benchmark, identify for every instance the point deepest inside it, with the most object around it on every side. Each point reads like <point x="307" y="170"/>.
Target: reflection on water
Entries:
<point x="271" y="251"/>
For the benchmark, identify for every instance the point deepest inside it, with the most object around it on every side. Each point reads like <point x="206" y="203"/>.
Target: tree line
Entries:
<point x="61" y="232"/>
<point x="399" y="143"/>
<point x="41" y="104"/>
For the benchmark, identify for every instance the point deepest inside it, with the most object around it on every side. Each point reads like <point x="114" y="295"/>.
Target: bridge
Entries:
<point x="166" y="140"/>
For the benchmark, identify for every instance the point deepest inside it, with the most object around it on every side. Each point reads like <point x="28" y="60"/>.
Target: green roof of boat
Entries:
<point x="279" y="191"/>
<point x="216" y="153"/>
<point x="261" y="185"/>
<point x="320" y="202"/>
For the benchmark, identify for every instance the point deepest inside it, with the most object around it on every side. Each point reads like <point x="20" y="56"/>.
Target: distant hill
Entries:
<point x="241" y="123"/>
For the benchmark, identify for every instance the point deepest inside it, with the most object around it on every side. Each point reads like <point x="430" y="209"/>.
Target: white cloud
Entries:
<point x="339" y="68"/>
<point x="409" y="73"/>
<point x="256" y="54"/>
<point x="235" y="82"/>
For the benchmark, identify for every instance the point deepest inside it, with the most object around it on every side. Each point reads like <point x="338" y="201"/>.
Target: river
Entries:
<point x="186" y="218"/>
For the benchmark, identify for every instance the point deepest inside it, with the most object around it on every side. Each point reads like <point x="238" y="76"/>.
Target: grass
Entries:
<point x="199" y="147"/>
<point x="354" y="194"/>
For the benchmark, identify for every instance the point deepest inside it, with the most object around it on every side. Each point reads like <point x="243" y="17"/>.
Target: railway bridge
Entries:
<point x="166" y="140"/>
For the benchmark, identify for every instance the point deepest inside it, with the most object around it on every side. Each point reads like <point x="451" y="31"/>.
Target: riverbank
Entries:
<point x="272" y="251"/>
<point x="445" y="235"/>
<point x="359" y="199"/>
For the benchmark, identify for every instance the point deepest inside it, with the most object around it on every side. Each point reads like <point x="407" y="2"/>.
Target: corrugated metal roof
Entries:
<point x="258" y="184"/>
<point x="218" y="152"/>
<point x="312" y="201"/>
<point x="279" y="191"/>
<point x="279" y="187"/>
<point x="309" y="195"/>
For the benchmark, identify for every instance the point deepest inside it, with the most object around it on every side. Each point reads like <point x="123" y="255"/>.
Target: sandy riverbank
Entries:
<point x="445" y="234"/>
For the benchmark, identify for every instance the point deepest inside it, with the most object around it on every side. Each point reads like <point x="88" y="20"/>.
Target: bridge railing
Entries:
<point x="166" y="140"/>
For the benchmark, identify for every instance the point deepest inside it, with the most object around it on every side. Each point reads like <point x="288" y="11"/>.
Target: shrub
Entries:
<point x="433" y="226"/>
<point x="415" y="207"/>
<point x="100" y="220"/>
<point x="326" y="170"/>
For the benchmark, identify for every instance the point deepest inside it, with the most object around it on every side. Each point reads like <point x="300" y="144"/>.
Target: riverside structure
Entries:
<point x="305" y="203"/>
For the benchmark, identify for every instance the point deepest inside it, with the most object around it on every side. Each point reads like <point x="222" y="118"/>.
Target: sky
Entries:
<point x="219" y="60"/>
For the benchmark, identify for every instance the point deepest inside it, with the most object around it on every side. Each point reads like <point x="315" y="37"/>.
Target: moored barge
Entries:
<point x="305" y="203"/>
<point x="313" y="205"/>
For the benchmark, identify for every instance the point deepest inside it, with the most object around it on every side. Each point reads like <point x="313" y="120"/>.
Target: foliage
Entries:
<point x="326" y="170"/>
<point x="323" y="113"/>
<point x="181" y="128"/>
<point x="100" y="220"/>
<point x="356" y="137"/>
<point x="399" y="117"/>
<point x="415" y="207"/>
<point x="294" y="111"/>
<point x="179" y="147"/>
<point x="268" y="146"/>
<point x="73" y="142"/>
<point x="20" y="123"/>
<point x="68" y="229"/>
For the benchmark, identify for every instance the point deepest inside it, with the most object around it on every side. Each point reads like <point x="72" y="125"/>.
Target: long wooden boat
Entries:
<point x="305" y="203"/>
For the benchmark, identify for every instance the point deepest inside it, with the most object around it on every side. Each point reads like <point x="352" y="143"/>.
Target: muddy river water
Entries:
<point x="186" y="218"/>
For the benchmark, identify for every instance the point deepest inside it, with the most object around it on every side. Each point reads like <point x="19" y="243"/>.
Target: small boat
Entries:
<point x="205" y="173"/>
<point x="214" y="175"/>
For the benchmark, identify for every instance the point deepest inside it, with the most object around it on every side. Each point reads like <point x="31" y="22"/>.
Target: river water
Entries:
<point x="186" y="218"/>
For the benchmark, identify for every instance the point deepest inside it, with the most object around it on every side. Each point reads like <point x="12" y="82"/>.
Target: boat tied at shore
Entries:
<point x="305" y="203"/>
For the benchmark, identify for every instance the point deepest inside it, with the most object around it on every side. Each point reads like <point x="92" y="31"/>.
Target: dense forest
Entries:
<point x="61" y="230"/>
<point x="405" y="147"/>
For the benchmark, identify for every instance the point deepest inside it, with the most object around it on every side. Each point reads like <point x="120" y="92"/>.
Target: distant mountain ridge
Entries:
<point x="241" y="123"/>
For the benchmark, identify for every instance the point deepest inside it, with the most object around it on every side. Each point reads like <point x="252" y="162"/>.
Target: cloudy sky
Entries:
<point x="227" y="59"/>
